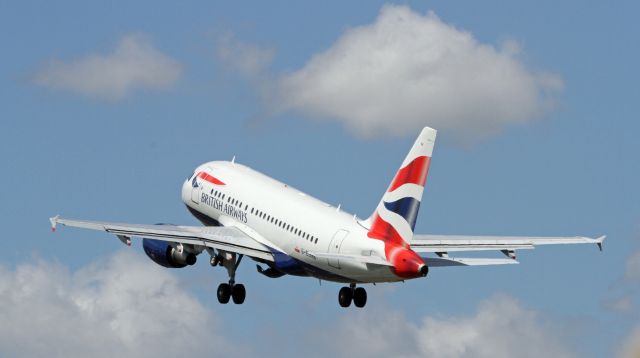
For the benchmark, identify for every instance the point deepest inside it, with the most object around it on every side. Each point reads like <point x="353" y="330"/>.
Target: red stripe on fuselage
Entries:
<point x="414" y="173"/>
<point x="211" y="179"/>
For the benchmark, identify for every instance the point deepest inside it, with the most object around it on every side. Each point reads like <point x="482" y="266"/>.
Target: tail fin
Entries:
<point x="395" y="216"/>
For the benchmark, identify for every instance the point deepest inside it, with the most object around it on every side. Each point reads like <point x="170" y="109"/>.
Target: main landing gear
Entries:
<point x="352" y="293"/>
<point x="231" y="290"/>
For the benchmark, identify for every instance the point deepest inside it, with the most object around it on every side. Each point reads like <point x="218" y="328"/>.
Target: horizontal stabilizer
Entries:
<point x="450" y="261"/>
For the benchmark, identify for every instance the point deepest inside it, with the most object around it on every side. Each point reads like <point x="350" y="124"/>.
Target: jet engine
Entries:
<point x="167" y="254"/>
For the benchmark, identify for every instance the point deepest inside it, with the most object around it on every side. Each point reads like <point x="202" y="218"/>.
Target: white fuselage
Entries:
<point x="286" y="220"/>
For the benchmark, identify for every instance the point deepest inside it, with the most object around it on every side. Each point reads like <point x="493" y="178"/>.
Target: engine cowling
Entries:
<point x="164" y="254"/>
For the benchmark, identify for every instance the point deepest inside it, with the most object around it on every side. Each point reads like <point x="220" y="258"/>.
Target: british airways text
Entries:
<point x="224" y="207"/>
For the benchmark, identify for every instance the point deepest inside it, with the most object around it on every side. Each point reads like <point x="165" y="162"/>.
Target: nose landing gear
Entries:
<point x="352" y="293"/>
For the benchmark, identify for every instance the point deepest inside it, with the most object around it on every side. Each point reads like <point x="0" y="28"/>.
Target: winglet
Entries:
<point x="600" y="240"/>
<point x="54" y="222"/>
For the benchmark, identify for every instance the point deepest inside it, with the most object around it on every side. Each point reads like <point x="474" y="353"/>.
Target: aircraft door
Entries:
<point x="335" y="245"/>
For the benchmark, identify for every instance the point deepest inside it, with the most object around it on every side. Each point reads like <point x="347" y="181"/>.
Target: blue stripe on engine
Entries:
<point x="405" y="207"/>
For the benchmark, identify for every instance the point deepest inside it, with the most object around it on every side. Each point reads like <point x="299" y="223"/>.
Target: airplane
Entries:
<point x="288" y="232"/>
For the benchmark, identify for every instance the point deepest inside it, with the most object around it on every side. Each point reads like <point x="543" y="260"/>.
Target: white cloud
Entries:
<point x="134" y="63"/>
<point x="633" y="267"/>
<point x="408" y="70"/>
<point x="248" y="59"/>
<point x="500" y="328"/>
<point x="623" y="304"/>
<point x="124" y="306"/>
<point x="631" y="346"/>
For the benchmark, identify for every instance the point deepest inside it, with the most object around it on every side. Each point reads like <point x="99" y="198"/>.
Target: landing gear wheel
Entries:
<point x="359" y="297"/>
<point x="224" y="293"/>
<point x="345" y="296"/>
<point x="238" y="293"/>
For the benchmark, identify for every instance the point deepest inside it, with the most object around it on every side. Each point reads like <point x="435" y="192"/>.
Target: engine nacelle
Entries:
<point x="164" y="254"/>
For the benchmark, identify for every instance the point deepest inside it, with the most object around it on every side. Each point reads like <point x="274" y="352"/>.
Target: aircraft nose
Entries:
<point x="186" y="190"/>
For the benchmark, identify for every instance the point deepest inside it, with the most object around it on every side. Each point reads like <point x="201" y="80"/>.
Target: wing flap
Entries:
<point x="223" y="238"/>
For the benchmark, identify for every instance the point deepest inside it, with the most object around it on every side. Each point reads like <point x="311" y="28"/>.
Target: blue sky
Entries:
<point x="213" y="81"/>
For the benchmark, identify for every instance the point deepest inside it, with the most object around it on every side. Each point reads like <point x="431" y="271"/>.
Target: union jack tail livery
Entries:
<point x="395" y="216"/>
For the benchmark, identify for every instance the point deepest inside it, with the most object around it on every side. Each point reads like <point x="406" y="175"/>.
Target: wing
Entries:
<point x="442" y="244"/>
<point x="460" y="261"/>
<point x="223" y="238"/>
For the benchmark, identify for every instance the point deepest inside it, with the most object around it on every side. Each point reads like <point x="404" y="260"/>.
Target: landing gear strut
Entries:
<point x="231" y="290"/>
<point x="352" y="293"/>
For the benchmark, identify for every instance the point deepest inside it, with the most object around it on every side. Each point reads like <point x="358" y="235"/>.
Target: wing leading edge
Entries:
<point x="222" y="238"/>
